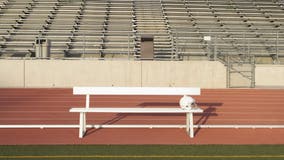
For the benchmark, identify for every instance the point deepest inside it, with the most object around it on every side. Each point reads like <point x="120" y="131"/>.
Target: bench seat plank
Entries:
<point x="136" y="110"/>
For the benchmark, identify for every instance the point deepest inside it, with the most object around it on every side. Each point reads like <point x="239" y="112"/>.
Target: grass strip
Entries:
<point x="140" y="152"/>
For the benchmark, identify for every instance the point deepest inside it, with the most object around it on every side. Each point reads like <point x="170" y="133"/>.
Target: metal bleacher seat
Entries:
<point x="119" y="39"/>
<point x="112" y="29"/>
<point x="236" y="27"/>
<point x="13" y="16"/>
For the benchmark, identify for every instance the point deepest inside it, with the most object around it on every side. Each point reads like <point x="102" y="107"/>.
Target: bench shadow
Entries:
<point x="207" y="113"/>
<point x="111" y="121"/>
<point x="210" y="110"/>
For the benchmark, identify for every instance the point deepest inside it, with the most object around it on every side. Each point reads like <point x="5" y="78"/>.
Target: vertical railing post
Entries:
<point x="84" y="47"/>
<point x="228" y="71"/>
<point x="252" y="71"/>
<point x="215" y="48"/>
<point x="248" y="46"/>
<point x="172" y="53"/>
<point x="128" y="47"/>
<point x="244" y="43"/>
<point x="277" y="46"/>
<point x="176" y="44"/>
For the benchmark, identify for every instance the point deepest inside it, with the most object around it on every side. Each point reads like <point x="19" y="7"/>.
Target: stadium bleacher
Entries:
<point x="182" y="29"/>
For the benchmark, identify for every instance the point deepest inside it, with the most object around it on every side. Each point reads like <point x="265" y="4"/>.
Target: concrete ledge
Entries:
<point x="269" y="76"/>
<point x="69" y="73"/>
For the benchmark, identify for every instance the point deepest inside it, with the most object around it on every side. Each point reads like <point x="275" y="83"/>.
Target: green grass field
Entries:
<point x="143" y="152"/>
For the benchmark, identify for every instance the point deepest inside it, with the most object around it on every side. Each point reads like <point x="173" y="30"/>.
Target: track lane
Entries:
<point x="222" y="106"/>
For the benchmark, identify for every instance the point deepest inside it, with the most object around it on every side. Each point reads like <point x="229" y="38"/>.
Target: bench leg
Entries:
<point x="189" y="124"/>
<point x="82" y="124"/>
<point x="85" y="121"/>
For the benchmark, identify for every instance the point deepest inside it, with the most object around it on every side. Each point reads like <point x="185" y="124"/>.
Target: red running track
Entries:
<point x="222" y="106"/>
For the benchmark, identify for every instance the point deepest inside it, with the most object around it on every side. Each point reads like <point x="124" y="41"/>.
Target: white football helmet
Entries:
<point x="186" y="102"/>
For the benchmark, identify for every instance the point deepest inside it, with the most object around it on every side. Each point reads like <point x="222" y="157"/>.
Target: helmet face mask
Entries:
<point x="187" y="102"/>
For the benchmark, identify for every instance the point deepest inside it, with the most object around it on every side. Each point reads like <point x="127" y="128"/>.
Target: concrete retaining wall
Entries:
<point x="269" y="76"/>
<point x="60" y="73"/>
<point x="69" y="73"/>
<point x="205" y="74"/>
<point x="12" y="74"/>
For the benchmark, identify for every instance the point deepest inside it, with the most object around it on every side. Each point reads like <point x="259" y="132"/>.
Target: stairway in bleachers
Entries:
<point x="150" y="21"/>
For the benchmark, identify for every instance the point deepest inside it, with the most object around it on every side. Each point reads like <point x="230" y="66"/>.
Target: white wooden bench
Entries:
<point x="134" y="91"/>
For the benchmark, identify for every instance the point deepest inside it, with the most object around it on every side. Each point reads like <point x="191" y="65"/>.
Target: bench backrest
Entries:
<point x="133" y="91"/>
<point x="136" y="91"/>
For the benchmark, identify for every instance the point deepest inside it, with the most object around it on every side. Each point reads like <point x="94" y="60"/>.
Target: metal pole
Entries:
<point x="277" y="44"/>
<point x="172" y="54"/>
<point x="207" y="47"/>
<point x="248" y="46"/>
<point x="210" y="47"/>
<point x="244" y="42"/>
<point x="128" y="49"/>
<point x="215" y="48"/>
<point x="253" y="72"/>
<point x="277" y="36"/>
<point x="84" y="47"/>
<point x="228" y="71"/>
<point x="176" y="45"/>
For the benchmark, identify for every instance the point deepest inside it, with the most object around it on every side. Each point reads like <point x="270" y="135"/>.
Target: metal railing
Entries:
<point x="215" y="44"/>
<point x="212" y="45"/>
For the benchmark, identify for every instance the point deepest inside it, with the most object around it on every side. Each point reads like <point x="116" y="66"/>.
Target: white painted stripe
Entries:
<point x="240" y="126"/>
<point x="138" y="126"/>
